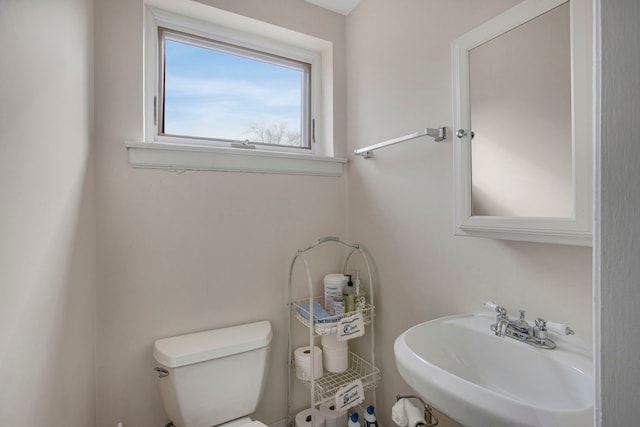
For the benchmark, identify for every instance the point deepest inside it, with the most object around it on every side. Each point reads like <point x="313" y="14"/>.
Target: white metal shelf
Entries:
<point x="327" y="325"/>
<point x="328" y="384"/>
<point x="325" y="388"/>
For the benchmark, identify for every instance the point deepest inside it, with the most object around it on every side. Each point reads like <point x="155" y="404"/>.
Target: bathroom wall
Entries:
<point x="401" y="201"/>
<point x="185" y="252"/>
<point x="47" y="227"/>
<point x="177" y="250"/>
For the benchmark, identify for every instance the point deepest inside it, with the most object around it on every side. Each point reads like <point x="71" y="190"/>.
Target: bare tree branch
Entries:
<point x="276" y="133"/>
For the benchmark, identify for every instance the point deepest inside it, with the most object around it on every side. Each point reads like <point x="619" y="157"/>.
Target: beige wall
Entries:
<point x="401" y="202"/>
<point x="157" y="271"/>
<point x="180" y="253"/>
<point x="47" y="259"/>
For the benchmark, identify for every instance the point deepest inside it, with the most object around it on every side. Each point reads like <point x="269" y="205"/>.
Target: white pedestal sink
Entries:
<point x="480" y="380"/>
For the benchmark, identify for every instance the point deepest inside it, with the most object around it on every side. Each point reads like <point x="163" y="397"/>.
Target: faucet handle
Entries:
<point x="522" y="323"/>
<point x="540" y="330"/>
<point x="490" y="305"/>
<point x="560" y="328"/>
<point x="501" y="311"/>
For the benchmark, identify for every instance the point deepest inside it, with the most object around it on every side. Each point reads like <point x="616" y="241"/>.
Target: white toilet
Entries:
<point x="214" y="377"/>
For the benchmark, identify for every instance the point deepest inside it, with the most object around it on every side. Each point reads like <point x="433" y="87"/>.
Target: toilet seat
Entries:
<point x="254" y="424"/>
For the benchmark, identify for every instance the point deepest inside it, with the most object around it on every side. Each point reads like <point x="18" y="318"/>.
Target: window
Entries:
<point x="219" y="92"/>
<point x="229" y="93"/>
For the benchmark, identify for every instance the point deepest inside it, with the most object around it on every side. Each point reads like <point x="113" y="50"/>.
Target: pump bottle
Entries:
<point x="360" y="296"/>
<point x="348" y="292"/>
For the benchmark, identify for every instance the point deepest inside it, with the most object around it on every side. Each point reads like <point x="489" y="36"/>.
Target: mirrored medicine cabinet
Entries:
<point x="522" y="99"/>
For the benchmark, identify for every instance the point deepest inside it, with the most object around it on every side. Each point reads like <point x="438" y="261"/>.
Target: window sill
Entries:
<point x="193" y="157"/>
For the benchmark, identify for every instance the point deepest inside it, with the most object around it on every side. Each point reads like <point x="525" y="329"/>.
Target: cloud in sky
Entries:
<point x="217" y="95"/>
<point x="261" y="93"/>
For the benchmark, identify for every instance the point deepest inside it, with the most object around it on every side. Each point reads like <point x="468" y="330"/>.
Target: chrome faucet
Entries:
<point x="501" y="327"/>
<point x="520" y="329"/>
<point x="504" y="327"/>
<point x="502" y="322"/>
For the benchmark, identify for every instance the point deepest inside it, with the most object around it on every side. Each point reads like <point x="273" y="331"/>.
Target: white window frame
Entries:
<point x="305" y="68"/>
<point x="158" y="151"/>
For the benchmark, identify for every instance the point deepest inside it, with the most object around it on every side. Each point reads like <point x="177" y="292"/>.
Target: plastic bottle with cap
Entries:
<point x="370" y="417"/>
<point x="348" y="292"/>
<point x="359" y="296"/>
<point x="338" y="305"/>
<point x="333" y="284"/>
<point x="353" y="420"/>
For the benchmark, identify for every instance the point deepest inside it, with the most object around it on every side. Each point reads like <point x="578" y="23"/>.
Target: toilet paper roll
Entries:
<point x="302" y="357"/>
<point x="335" y="353"/>
<point x="331" y="341"/>
<point x="303" y="418"/>
<point x="333" y="417"/>
<point x="399" y="413"/>
<point x="415" y="416"/>
<point x="336" y="359"/>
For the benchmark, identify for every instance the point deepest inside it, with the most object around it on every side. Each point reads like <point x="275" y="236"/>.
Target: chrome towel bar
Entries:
<point x="439" y="134"/>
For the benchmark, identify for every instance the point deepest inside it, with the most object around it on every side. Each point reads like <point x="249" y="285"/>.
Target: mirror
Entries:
<point x="525" y="128"/>
<point x="522" y="111"/>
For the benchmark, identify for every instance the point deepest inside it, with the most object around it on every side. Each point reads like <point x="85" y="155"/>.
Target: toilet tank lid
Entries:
<point x="208" y="345"/>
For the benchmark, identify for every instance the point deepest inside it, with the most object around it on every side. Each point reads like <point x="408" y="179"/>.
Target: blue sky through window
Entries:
<point x="217" y="95"/>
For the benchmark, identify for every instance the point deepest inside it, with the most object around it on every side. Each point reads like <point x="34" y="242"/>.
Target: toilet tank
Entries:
<point x="213" y="376"/>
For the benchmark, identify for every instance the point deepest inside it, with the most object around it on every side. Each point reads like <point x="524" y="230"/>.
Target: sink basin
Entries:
<point x="480" y="380"/>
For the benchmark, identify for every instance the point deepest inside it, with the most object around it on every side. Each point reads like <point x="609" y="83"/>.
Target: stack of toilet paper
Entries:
<point x="335" y="353"/>
<point x="303" y="419"/>
<point x="334" y="417"/>
<point x="302" y="357"/>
